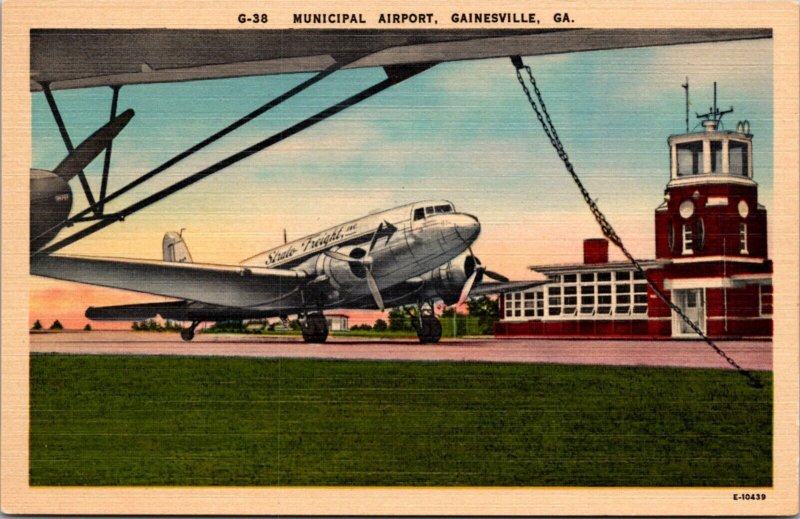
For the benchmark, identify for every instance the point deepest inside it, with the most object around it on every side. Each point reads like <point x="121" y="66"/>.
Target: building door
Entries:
<point x="692" y="303"/>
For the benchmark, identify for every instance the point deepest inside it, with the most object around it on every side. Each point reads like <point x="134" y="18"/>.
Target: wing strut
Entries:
<point x="51" y="101"/>
<point x="107" y="158"/>
<point x="211" y="139"/>
<point x="395" y="74"/>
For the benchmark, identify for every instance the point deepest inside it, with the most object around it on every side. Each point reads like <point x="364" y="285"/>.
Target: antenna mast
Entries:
<point x="686" y="87"/>
<point x="714" y="113"/>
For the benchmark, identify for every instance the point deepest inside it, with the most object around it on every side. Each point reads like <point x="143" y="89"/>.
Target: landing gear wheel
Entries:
<point x="430" y="330"/>
<point x="315" y="329"/>
<point x="187" y="334"/>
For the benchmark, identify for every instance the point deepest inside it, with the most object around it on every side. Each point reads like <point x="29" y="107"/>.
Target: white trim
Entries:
<point x="689" y="283"/>
<point x="717" y="201"/>
<point x="736" y="318"/>
<point x="733" y="259"/>
<point x="710" y="179"/>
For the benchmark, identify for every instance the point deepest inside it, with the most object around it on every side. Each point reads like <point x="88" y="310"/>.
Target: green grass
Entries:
<point x="120" y="420"/>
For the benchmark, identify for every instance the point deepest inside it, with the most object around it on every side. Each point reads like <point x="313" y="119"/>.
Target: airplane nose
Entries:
<point x="467" y="226"/>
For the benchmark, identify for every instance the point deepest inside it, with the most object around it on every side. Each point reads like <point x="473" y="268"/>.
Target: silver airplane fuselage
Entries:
<point x="407" y="244"/>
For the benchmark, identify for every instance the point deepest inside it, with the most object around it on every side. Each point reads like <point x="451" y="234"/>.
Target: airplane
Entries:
<point x="333" y="275"/>
<point x="407" y="256"/>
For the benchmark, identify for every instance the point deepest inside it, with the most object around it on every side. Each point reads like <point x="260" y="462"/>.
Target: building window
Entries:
<point x="700" y="235"/>
<point x="743" y="238"/>
<point x="523" y="304"/>
<point x="687" y="238"/>
<point x="765" y="300"/>
<point x="690" y="158"/>
<point x="598" y="295"/>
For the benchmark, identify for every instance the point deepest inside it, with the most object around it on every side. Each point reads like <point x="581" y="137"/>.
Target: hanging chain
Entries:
<point x="605" y="226"/>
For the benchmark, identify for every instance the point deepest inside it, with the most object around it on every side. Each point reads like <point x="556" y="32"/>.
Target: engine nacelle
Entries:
<point x="448" y="280"/>
<point x="50" y="204"/>
<point x="344" y="274"/>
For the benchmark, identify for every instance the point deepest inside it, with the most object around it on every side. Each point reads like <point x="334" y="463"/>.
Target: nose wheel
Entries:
<point x="315" y="328"/>
<point x="187" y="334"/>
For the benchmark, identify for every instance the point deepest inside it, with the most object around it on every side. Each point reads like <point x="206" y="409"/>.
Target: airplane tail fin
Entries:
<point x="175" y="249"/>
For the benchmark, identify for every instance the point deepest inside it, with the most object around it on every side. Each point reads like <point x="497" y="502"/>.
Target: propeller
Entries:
<point x="384" y="229"/>
<point x="478" y="270"/>
<point x="86" y="151"/>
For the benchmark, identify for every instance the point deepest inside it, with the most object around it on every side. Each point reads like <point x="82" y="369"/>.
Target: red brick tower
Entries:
<point x="714" y="231"/>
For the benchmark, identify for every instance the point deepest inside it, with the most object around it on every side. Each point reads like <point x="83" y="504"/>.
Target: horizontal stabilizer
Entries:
<point x="139" y="312"/>
<point x="176" y="311"/>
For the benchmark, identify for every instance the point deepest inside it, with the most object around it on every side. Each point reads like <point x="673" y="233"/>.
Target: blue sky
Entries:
<point x="462" y="131"/>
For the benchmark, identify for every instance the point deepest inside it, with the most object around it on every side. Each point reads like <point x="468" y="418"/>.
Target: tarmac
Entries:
<point x="749" y="354"/>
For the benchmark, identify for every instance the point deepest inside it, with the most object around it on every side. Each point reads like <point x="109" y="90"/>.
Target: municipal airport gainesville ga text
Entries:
<point x="417" y="18"/>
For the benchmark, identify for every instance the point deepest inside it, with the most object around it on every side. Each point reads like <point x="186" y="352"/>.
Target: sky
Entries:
<point x="461" y="131"/>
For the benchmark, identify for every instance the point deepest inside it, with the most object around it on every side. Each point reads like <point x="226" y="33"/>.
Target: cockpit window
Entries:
<point x="429" y="210"/>
<point x="419" y="213"/>
<point x="444" y="209"/>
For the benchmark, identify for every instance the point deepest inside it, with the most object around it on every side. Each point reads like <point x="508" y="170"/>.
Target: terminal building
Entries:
<point x="711" y="258"/>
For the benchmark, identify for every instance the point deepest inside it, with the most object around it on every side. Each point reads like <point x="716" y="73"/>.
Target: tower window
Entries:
<point x="690" y="158"/>
<point x="738" y="161"/>
<point x="743" y="238"/>
<point x="687" y="238"/>
<point x="716" y="156"/>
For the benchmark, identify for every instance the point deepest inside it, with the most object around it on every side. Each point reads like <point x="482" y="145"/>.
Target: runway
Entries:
<point x="752" y="355"/>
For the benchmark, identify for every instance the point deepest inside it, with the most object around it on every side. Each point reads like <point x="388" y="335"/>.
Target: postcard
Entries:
<point x="263" y="258"/>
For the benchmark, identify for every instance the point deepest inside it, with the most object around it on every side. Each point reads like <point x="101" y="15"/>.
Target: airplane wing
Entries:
<point x="70" y="58"/>
<point x="223" y="285"/>
<point x="485" y="289"/>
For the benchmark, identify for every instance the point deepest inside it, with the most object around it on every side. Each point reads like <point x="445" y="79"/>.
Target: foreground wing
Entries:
<point x="224" y="285"/>
<point x="69" y="58"/>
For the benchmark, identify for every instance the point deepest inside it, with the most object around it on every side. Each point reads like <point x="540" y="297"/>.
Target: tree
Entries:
<point x="135" y="326"/>
<point x="56" y="325"/>
<point x="37" y="325"/>
<point x="87" y="328"/>
<point x="398" y="320"/>
<point x="380" y="326"/>
<point x="450" y="311"/>
<point x="487" y="311"/>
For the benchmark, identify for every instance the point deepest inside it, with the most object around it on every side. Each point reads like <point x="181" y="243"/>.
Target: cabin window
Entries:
<point x="444" y="209"/>
<point x="743" y="238"/>
<point x="429" y="210"/>
<point x="419" y="214"/>
<point x="716" y="156"/>
<point x="737" y="158"/>
<point x="690" y="158"/>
